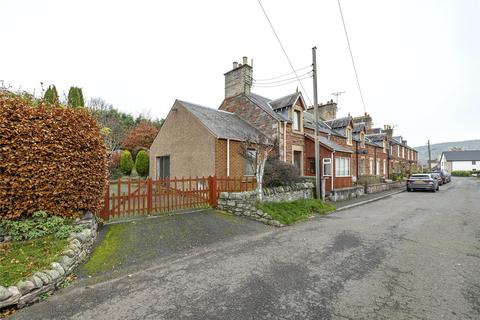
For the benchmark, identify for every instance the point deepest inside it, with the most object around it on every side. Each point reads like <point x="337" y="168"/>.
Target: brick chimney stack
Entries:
<point x="239" y="80"/>
<point x="388" y="130"/>
<point x="327" y="111"/>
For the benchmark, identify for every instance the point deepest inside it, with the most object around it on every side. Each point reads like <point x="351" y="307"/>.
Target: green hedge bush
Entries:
<point x="142" y="163"/>
<point x="126" y="162"/>
<point x="461" y="173"/>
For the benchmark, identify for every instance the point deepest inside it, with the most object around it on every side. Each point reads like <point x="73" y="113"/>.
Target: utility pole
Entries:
<point x="318" y="182"/>
<point x="429" y="157"/>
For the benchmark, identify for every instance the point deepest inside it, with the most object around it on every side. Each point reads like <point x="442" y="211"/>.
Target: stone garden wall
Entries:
<point x="243" y="203"/>
<point x="346" y="193"/>
<point x="380" y="187"/>
<point x="30" y="290"/>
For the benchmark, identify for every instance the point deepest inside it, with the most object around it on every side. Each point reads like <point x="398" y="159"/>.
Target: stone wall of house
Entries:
<point x="243" y="203"/>
<point x="30" y="290"/>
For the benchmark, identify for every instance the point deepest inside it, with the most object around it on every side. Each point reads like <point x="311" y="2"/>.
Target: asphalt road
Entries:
<point x="409" y="256"/>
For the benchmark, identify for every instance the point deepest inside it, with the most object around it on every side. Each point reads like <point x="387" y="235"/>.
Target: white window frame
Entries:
<point x="398" y="151"/>
<point x="348" y="133"/>
<point x="370" y="166"/>
<point x="377" y="172"/>
<point x="327" y="162"/>
<point x="384" y="167"/>
<point x="403" y="152"/>
<point x="296" y="120"/>
<point x="342" y="167"/>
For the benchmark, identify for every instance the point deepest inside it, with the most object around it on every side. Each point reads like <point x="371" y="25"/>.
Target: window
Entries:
<point x="297" y="160"/>
<point x="296" y="120"/>
<point x="362" y="140"/>
<point x="249" y="163"/>
<point x="311" y="165"/>
<point x="398" y="151"/>
<point x="348" y="133"/>
<point x="384" y="146"/>
<point x="342" y="167"/>
<point x="163" y="167"/>
<point x="403" y="152"/>
<point x="377" y="172"/>
<point x="327" y="166"/>
<point x="370" y="168"/>
<point x="362" y="166"/>
<point x="474" y="162"/>
<point x="384" y="167"/>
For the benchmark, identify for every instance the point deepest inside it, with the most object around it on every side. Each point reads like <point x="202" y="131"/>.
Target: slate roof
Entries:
<point x="284" y="102"/>
<point x="358" y="127"/>
<point x="309" y="122"/>
<point x="397" y="140"/>
<point x="339" y="123"/>
<point x="329" y="143"/>
<point x="222" y="124"/>
<point x="376" y="137"/>
<point x="263" y="103"/>
<point x="467" y="155"/>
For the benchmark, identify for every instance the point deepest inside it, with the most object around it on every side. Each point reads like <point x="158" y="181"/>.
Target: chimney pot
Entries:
<point x="235" y="64"/>
<point x="245" y="60"/>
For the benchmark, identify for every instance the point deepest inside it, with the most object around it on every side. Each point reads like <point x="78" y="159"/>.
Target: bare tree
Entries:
<point x="256" y="150"/>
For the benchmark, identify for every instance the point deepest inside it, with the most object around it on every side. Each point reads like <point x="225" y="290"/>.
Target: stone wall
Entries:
<point x="243" y="203"/>
<point x="380" y="187"/>
<point x="346" y="193"/>
<point x="31" y="289"/>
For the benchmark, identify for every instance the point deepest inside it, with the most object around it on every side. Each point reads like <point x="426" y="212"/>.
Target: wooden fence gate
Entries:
<point x="133" y="198"/>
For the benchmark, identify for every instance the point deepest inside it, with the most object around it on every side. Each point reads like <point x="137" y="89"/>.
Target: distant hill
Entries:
<point x="438" y="148"/>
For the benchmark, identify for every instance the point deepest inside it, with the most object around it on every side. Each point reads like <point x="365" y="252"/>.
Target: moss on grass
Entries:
<point x="20" y="260"/>
<point x="293" y="211"/>
<point x="106" y="255"/>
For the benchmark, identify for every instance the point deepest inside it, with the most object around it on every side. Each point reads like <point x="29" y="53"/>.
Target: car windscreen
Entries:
<point x="420" y="176"/>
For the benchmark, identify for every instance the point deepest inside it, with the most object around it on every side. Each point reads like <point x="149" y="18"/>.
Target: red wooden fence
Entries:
<point x="132" y="198"/>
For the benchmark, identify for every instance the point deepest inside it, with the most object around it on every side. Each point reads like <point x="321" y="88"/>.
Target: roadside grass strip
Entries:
<point x="106" y="255"/>
<point x="293" y="211"/>
<point x="21" y="259"/>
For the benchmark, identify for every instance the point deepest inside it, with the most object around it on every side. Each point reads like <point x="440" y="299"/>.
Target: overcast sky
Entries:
<point x="418" y="61"/>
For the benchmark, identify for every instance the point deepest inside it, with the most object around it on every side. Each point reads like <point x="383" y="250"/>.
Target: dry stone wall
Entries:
<point x="30" y="290"/>
<point x="243" y="203"/>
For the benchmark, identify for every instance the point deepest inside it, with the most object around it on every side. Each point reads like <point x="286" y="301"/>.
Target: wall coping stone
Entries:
<point x="28" y="291"/>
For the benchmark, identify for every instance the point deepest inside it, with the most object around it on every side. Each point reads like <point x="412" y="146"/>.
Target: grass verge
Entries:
<point x="293" y="211"/>
<point x="106" y="255"/>
<point x="20" y="260"/>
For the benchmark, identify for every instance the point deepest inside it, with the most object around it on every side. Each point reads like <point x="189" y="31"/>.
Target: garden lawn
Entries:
<point x="291" y="212"/>
<point x="19" y="260"/>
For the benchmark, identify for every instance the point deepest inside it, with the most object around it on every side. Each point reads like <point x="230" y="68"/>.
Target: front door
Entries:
<point x="163" y="167"/>
<point x="297" y="160"/>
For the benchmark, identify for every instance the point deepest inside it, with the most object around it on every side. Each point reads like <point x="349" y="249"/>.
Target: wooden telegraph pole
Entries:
<point x="318" y="182"/>
<point x="429" y="157"/>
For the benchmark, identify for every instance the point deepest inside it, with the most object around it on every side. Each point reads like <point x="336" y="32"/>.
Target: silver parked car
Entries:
<point x="423" y="181"/>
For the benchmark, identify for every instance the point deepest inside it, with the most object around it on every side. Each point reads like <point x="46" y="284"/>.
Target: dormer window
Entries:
<point x="348" y="133"/>
<point x="362" y="139"/>
<point x="296" y="120"/>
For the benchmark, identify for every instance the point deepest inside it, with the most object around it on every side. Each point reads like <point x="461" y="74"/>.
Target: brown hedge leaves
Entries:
<point x="51" y="158"/>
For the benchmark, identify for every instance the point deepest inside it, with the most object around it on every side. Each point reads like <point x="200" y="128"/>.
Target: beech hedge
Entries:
<point x="51" y="158"/>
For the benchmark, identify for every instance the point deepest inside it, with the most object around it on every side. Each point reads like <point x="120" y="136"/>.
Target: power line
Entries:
<point x="351" y="56"/>
<point x="284" y="51"/>
<point x="281" y="84"/>
<point x="284" y="75"/>
<point x="282" y="80"/>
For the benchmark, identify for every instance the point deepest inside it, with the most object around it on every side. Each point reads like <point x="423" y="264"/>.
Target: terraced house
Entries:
<point x="201" y="141"/>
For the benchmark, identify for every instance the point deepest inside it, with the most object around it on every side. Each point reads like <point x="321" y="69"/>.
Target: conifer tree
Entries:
<point x="75" y="98"/>
<point x="51" y="95"/>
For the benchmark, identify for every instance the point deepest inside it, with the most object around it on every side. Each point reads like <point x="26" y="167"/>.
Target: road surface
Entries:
<point x="409" y="256"/>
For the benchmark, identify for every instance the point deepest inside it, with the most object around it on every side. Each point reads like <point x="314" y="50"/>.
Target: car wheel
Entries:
<point x="434" y="190"/>
<point x="408" y="189"/>
<point x="438" y="188"/>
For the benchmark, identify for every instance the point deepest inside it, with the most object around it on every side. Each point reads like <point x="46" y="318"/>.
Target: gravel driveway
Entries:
<point x="410" y="256"/>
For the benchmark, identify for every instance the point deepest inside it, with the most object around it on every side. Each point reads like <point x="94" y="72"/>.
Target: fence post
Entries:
<point x="149" y="195"/>
<point x="212" y="185"/>
<point x="106" y="204"/>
